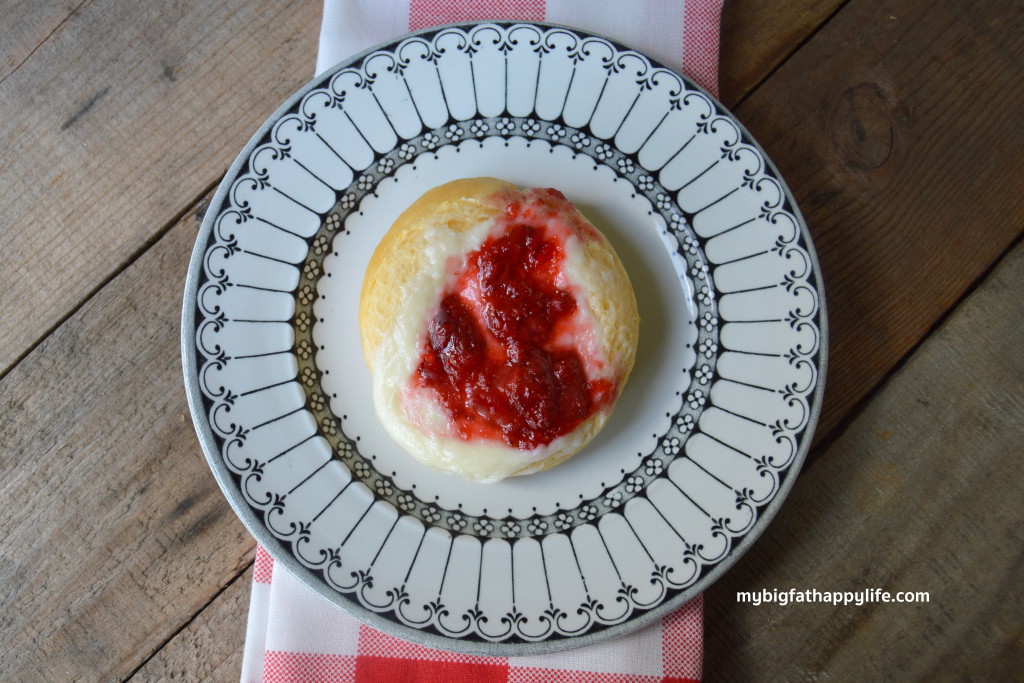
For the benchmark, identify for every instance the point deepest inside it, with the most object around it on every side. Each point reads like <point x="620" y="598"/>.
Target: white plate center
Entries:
<point x="667" y="329"/>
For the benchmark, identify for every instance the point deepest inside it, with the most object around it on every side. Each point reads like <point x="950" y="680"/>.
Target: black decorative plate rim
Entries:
<point x="283" y="552"/>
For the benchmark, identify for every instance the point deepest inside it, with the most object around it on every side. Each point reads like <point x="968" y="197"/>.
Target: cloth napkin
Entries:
<point x="678" y="33"/>
<point x="294" y="635"/>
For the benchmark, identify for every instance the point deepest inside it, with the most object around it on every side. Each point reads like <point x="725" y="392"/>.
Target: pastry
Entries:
<point x="499" y="327"/>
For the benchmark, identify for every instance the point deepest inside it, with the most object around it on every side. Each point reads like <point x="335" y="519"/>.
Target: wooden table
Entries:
<point x="898" y="126"/>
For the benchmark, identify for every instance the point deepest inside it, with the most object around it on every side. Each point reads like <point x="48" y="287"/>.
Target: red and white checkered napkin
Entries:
<point x="680" y="33"/>
<point x="292" y="633"/>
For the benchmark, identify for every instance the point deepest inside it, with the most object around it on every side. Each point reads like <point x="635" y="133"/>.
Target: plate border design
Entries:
<point x="514" y="635"/>
<point x="632" y="482"/>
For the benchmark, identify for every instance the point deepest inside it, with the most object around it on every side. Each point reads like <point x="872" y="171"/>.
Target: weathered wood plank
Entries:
<point x="115" y="532"/>
<point x="210" y="648"/>
<point x="897" y="128"/>
<point x="27" y="23"/>
<point x="66" y="392"/>
<point x="116" y="124"/>
<point x="921" y="493"/>
<point x="757" y="36"/>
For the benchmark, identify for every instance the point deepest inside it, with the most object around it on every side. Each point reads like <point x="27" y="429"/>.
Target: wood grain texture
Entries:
<point x="895" y="130"/>
<point x="921" y="493"/>
<point x="29" y="26"/>
<point x="115" y="532"/>
<point x="897" y="135"/>
<point x="115" y="125"/>
<point x="210" y="647"/>
<point x="757" y="36"/>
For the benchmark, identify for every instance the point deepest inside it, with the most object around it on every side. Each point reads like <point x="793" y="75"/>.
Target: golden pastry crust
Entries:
<point x="455" y="206"/>
<point x="395" y="277"/>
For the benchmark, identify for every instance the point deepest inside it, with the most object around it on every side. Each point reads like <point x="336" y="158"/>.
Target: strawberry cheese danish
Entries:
<point x="499" y="327"/>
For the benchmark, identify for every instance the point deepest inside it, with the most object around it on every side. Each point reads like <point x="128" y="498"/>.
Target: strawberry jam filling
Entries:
<point x="501" y="355"/>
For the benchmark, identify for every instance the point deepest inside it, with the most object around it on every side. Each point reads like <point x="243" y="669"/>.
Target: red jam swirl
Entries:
<point x="496" y="353"/>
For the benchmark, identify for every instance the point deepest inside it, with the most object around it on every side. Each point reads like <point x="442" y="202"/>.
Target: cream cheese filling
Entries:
<point x="414" y="417"/>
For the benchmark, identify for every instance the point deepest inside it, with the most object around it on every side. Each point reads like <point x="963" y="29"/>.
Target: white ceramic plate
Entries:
<point x="706" y="439"/>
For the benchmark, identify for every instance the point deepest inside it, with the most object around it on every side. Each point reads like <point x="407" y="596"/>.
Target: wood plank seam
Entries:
<point x="185" y="624"/>
<point x="824" y="440"/>
<point x="42" y="42"/>
<point x="899" y="504"/>
<point x="181" y="57"/>
<point x="789" y="55"/>
<point x="193" y="205"/>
